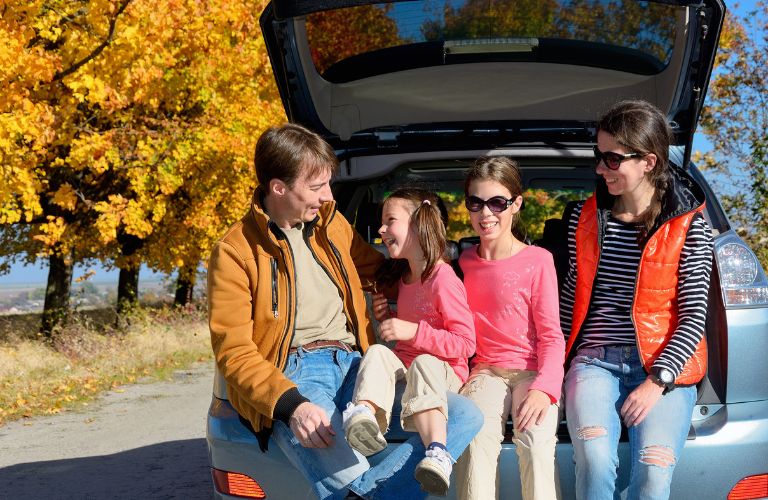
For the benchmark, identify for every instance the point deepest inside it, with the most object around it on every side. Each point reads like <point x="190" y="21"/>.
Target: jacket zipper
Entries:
<point x="273" y="264"/>
<point x="291" y="305"/>
<point x="327" y="272"/>
<point x="353" y="317"/>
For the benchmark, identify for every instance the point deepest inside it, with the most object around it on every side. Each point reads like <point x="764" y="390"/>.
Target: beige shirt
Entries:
<point x="319" y="310"/>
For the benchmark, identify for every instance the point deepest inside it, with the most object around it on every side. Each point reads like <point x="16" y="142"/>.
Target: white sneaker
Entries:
<point x="434" y="472"/>
<point x="362" y="430"/>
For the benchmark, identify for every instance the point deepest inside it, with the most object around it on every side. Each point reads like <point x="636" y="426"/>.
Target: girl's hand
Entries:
<point x="640" y="402"/>
<point x="533" y="409"/>
<point x="380" y="307"/>
<point x="398" y="329"/>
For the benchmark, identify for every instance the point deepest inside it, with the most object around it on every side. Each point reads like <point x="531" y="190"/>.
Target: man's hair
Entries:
<point x="291" y="151"/>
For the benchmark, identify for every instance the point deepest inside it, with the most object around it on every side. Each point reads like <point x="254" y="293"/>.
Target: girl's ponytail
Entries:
<point x="430" y="227"/>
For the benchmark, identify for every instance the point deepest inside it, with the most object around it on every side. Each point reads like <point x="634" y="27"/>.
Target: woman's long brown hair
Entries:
<point x="641" y="127"/>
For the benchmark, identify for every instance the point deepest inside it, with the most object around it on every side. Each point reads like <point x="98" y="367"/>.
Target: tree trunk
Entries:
<point x="127" y="290"/>
<point x="184" y="288"/>
<point x="56" y="306"/>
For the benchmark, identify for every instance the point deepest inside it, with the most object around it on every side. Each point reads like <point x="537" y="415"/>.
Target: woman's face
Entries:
<point x="487" y="224"/>
<point x="630" y="178"/>
<point x="396" y="231"/>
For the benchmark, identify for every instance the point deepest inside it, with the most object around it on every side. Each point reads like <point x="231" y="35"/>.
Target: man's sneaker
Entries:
<point x="362" y="430"/>
<point x="434" y="472"/>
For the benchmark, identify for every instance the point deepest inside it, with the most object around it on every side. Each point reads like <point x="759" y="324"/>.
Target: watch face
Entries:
<point x="666" y="376"/>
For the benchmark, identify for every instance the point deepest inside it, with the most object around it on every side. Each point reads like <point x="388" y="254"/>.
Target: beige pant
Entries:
<point x="497" y="391"/>
<point x="428" y="379"/>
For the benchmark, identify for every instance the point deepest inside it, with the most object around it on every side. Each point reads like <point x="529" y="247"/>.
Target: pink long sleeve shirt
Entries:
<point x="446" y="329"/>
<point x="517" y="318"/>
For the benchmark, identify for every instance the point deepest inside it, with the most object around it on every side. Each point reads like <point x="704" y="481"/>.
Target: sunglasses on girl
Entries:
<point x="613" y="160"/>
<point x="496" y="204"/>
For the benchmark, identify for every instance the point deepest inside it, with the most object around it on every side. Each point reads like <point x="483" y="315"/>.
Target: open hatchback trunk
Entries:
<point x="417" y="74"/>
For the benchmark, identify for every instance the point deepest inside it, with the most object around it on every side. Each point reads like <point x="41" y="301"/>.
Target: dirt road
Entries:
<point x="144" y="441"/>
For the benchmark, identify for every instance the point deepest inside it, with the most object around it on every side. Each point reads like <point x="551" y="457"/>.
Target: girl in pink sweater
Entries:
<point x="434" y="332"/>
<point x="518" y="368"/>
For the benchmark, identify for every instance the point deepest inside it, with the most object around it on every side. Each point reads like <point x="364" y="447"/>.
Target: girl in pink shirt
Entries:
<point x="434" y="332"/>
<point x="518" y="368"/>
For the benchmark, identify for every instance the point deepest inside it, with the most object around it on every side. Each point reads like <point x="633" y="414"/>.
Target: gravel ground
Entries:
<point x="143" y="441"/>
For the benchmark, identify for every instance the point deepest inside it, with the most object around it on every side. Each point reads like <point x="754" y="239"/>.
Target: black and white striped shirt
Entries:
<point x="608" y="321"/>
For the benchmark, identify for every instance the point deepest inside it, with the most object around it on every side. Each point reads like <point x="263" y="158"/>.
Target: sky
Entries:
<point x="38" y="274"/>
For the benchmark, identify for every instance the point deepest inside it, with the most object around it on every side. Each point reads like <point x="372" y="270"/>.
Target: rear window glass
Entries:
<point x="547" y="191"/>
<point x="357" y="42"/>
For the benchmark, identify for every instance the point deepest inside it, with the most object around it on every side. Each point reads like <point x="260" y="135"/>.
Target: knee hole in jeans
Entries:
<point x="660" y="456"/>
<point x="591" y="432"/>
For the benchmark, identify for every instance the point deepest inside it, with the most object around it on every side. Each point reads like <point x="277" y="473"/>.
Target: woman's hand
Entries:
<point x="533" y="409"/>
<point x="380" y="307"/>
<point x="640" y="402"/>
<point x="398" y="329"/>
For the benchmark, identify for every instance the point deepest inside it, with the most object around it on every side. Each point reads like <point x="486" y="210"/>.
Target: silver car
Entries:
<point x="410" y="93"/>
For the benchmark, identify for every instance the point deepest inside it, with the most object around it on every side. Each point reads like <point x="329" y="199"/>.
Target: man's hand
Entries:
<point x="398" y="329"/>
<point x="380" y="307"/>
<point x="640" y="402"/>
<point x="311" y="426"/>
<point x="533" y="409"/>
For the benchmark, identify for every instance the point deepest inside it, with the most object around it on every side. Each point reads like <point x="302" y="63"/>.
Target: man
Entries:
<point x="289" y="321"/>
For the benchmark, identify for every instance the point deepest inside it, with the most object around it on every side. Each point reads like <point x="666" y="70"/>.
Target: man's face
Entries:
<point x="303" y="200"/>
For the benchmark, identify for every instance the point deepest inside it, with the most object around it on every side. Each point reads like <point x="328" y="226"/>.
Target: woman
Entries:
<point x="634" y="306"/>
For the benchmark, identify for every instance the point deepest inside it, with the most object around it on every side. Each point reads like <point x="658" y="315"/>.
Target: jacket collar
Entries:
<point x="267" y="226"/>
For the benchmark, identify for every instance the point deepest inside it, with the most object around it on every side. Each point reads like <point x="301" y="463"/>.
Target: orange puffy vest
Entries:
<point x="654" y="309"/>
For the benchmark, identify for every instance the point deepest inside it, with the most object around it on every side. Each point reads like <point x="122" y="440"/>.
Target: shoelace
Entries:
<point x="442" y="457"/>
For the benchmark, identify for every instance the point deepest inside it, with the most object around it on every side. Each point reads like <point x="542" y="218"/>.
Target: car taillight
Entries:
<point x="236" y="484"/>
<point x="742" y="278"/>
<point x="750" y="488"/>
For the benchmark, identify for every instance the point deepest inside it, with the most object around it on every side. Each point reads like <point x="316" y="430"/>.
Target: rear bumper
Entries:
<point x="729" y="444"/>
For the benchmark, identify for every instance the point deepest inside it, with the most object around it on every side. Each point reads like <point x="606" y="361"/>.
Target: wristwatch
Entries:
<point x="663" y="378"/>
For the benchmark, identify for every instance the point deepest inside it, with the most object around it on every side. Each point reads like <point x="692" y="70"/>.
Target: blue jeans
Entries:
<point x="327" y="378"/>
<point x="596" y="385"/>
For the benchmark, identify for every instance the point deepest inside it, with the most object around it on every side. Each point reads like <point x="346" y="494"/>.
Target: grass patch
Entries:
<point x="40" y="376"/>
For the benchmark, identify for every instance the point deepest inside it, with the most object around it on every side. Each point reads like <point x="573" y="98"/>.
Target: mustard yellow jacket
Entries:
<point x="252" y="304"/>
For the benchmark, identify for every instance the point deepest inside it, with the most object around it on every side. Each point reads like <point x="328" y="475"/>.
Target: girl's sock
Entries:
<point x="435" y="444"/>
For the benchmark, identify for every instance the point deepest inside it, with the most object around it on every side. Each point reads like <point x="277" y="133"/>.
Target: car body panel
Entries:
<point x="713" y="459"/>
<point x="748" y="353"/>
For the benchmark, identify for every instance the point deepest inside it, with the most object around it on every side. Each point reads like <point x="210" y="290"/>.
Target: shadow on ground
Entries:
<point x="176" y="469"/>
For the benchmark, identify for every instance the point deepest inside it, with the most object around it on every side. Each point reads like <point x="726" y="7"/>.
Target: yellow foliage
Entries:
<point x="65" y="197"/>
<point x="130" y="120"/>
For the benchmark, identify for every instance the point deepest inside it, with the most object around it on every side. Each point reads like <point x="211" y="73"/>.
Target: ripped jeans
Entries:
<point x="596" y="385"/>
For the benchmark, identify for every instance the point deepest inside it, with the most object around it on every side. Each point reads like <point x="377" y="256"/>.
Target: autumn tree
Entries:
<point x="125" y="122"/>
<point x="735" y="120"/>
<point x="335" y="35"/>
<point x="640" y="25"/>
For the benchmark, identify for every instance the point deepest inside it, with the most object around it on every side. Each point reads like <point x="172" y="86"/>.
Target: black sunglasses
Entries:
<point x="496" y="204"/>
<point x="613" y="160"/>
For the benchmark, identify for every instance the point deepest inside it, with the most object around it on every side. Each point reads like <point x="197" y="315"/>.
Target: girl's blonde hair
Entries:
<point x="428" y="219"/>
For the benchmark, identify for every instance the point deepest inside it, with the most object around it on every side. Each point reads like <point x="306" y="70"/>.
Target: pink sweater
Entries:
<point x="446" y="330"/>
<point x="517" y="318"/>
